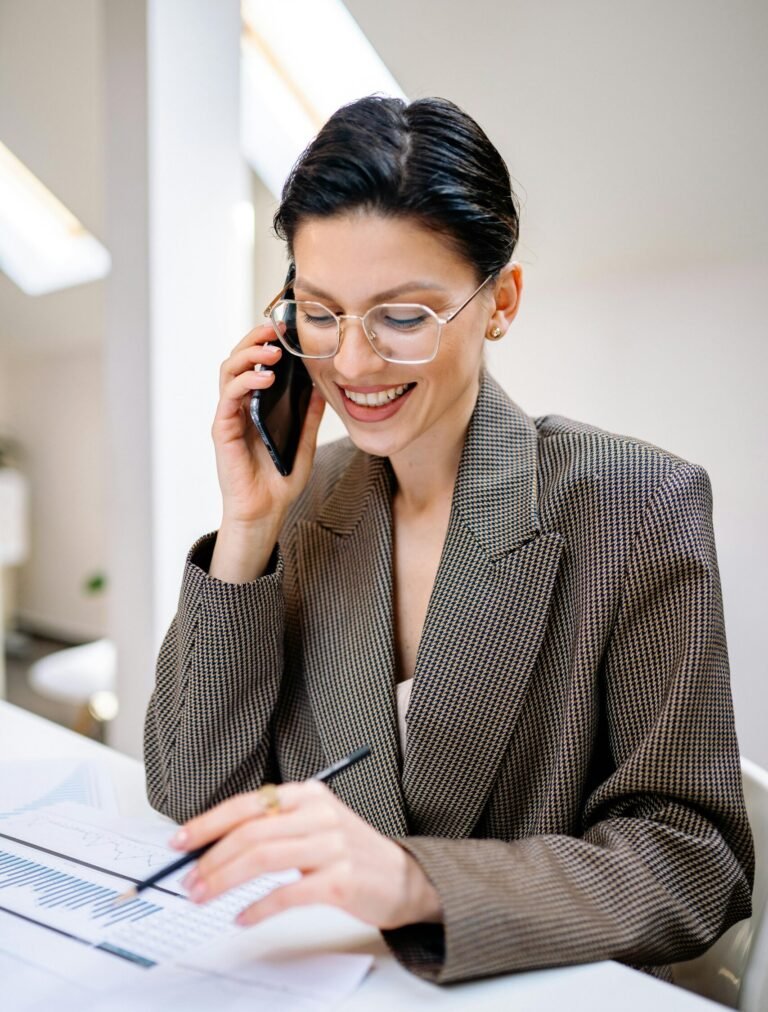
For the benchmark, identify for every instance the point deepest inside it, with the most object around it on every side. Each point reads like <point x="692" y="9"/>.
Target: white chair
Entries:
<point x="734" y="971"/>
<point x="83" y="676"/>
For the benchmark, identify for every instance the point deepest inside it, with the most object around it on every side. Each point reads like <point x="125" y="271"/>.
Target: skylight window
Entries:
<point x="301" y="60"/>
<point x="43" y="247"/>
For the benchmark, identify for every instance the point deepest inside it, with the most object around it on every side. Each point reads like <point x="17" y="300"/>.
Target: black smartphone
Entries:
<point x="279" y="411"/>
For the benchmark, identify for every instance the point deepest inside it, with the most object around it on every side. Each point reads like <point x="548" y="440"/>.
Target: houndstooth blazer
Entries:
<point x="571" y="781"/>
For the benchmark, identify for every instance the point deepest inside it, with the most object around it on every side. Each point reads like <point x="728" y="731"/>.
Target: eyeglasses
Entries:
<point x="403" y="332"/>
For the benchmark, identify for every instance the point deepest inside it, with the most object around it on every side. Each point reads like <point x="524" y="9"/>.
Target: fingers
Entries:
<point x="232" y="394"/>
<point x="254" y="833"/>
<point x="317" y="887"/>
<point x="261" y="333"/>
<point x="213" y="824"/>
<point x="306" y="852"/>
<point x="304" y="834"/>
<point x="256" y="355"/>
<point x="259" y="356"/>
<point x="224" y="817"/>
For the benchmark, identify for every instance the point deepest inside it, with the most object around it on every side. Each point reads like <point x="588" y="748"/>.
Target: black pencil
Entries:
<point x="192" y="855"/>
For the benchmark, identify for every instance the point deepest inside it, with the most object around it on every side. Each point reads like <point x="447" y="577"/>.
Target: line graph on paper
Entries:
<point x="96" y="846"/>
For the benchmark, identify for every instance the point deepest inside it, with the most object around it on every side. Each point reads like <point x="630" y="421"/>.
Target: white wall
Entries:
<point x="678" y="358"/>
<point x="56" y="406"/>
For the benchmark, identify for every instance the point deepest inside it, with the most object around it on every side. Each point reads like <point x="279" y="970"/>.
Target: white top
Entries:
<point x="403" y="698"/>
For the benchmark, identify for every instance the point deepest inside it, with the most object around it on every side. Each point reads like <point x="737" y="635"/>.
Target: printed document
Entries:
<point x="62" y="935"/>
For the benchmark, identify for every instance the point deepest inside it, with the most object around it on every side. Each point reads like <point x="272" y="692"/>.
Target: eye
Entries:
<point x="405" y="322"/>
<point x="318" y="319"/>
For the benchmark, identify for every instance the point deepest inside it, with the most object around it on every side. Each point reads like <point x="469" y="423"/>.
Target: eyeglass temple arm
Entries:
<point x="456" y="312"/>
<point x="276" y="299"/>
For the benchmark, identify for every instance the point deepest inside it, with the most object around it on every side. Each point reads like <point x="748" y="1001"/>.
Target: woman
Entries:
<point x="564" y="785"/>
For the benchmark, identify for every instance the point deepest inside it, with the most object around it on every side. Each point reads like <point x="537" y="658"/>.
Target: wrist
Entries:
<point x="242" y="551"/>
<point x="252" y="529"/>
<point x="421" y="901"/>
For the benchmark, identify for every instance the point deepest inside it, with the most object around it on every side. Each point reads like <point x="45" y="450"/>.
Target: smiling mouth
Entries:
<point x="378" y="398"/>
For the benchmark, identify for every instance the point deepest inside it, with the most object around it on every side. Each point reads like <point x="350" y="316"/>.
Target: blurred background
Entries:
<point x="143" y="144"/>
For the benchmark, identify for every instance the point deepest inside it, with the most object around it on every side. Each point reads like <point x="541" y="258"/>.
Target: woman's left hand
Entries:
<point x="343" y="861"/>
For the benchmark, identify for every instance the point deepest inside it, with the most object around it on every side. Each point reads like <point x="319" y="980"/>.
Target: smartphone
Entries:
<point x="279" y="411"/>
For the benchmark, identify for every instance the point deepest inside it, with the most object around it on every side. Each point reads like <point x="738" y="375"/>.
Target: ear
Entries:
<point x="507" y="292"/>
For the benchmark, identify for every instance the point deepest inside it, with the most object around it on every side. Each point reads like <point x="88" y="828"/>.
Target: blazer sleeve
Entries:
<point x="207" y="727"/>
<point x="664" y="863"/>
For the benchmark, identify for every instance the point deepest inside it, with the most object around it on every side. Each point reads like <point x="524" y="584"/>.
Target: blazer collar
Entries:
<point x="496" y="487"/>
<point x="482" y="633"/>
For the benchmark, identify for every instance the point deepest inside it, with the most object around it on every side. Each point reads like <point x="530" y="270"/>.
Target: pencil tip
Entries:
<point x="127" y="895"/>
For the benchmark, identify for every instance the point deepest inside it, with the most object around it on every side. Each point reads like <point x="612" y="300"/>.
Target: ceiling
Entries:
<point x="636" y="132"/>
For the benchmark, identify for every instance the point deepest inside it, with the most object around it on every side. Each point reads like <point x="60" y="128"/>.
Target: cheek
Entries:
<point x="317" y="371"/>
<point x="461" y="359"/>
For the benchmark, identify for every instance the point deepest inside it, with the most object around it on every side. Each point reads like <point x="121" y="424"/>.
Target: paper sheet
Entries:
<point x="72" y="866"/>
<point x="66" y="978"/>
<point x="29" y="784"/>
<point x="60" y="869"/>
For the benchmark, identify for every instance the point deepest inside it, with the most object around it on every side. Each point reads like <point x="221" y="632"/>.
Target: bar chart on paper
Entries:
<point x="65" y="943"/>
<point x="63" y="873"/>
<point x="78" y="908"/>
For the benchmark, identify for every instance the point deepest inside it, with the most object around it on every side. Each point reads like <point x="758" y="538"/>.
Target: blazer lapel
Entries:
<point x="484" y="625"/>
<point x="345" y="569"/>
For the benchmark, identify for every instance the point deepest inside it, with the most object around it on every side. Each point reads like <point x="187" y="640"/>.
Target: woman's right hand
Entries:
<point x="256" y="497"/>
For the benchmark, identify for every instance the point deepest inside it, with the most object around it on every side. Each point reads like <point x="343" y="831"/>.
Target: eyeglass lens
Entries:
<point x="399" y="333"/>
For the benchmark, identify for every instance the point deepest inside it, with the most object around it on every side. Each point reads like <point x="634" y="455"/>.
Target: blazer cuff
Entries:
<point x="420" y="948"/>
<point x="473" y="941"/>
<point x="235" y="621"/>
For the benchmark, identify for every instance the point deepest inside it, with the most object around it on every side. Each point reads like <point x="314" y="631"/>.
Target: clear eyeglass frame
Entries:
<point x="440" y="322"/>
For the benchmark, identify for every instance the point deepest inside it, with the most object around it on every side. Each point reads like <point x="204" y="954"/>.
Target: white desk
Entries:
<point x="596" y="987"/>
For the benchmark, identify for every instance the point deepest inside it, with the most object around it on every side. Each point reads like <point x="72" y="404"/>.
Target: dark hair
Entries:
<point x="427" y="160"/>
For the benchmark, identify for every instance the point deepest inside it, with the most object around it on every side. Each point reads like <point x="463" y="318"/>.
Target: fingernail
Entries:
<point x="266" y="372"/>
<point x="180" y="838"/>
<point x="189" y="880"/>
<point x="198" y="891"/>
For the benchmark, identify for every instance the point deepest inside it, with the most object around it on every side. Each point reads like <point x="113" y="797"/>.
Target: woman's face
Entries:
<point x="352" y="262"/>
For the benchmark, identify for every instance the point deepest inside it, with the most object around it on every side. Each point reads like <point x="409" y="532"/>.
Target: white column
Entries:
<point x="179" y="299"/>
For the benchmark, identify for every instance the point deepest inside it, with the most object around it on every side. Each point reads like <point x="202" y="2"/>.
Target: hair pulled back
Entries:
<point x="426" y="160"/>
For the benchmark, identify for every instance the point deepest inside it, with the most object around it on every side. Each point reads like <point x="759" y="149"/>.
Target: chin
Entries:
<point x="376" y="444"/>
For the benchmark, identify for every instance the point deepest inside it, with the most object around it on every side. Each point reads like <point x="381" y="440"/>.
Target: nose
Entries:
<point x="355" y="358"/>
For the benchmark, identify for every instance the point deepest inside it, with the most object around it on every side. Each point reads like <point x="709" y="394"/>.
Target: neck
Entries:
<point x="426" y="470"/>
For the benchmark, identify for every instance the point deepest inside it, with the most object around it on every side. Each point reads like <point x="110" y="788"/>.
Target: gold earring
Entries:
<point x="495" y="334"/>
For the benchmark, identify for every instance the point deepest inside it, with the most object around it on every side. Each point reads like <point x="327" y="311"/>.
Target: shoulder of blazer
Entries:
<point x="590" y="478"/>
<point x="518" y="475"/>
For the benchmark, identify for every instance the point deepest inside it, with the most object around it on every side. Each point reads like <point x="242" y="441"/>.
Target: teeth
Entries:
<point x="377" y="399"/>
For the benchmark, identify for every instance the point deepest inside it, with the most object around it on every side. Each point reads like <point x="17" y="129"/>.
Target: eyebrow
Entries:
<point x="390" y="293"/>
